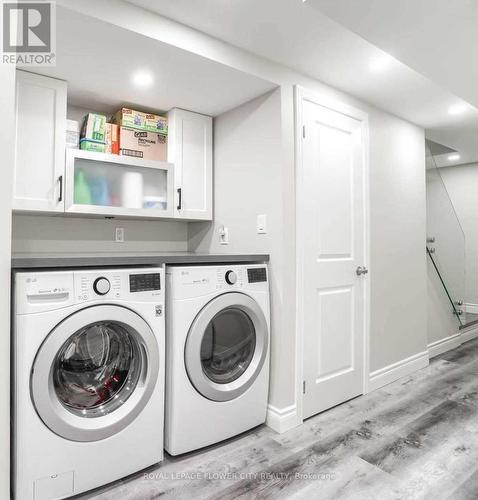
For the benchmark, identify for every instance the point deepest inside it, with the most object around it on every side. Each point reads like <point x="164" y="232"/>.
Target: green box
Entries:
<point x="94" y="127"/>
<point x="97" y="147"/>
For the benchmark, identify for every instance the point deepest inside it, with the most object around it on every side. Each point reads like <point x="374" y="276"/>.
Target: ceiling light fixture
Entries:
<point x="454" y="157"/>
<point x="381" y="63"/>
<point x="457" y="109"/>
<point x="142" y="79"/>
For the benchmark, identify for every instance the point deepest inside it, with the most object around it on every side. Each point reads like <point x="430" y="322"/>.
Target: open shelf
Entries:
<point x="117" y="186"/>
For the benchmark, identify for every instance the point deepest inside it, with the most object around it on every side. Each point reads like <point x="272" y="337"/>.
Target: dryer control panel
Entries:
<point x="196" y="281"/>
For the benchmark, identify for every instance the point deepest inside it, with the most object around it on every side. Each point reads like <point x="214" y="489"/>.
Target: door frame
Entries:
<point x="302" y="94"/>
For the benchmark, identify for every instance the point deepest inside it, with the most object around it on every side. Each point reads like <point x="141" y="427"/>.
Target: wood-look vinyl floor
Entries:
<point x="414" y="439"/>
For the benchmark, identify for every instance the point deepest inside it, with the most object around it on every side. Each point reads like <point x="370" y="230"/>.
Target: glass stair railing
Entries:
<point x="456" y="305"/>
<point x="445" y="240"/>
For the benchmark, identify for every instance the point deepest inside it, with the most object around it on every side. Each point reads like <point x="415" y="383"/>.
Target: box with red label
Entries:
<point x="143" y="144"/>
<point x="112" y="139"/>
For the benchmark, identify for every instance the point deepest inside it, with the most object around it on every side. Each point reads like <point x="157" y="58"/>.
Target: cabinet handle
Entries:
<point x="60" y="180"/>
<point x="180" y="200"/>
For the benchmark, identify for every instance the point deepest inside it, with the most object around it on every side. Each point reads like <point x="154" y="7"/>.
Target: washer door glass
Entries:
<point x="95" y="372"/>
<point x="228" y="345"/>
<point x="97" y="369"/>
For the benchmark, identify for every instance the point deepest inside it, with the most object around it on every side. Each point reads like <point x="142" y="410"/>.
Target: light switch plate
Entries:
<point x="262" y="224"/>
<point x="224" y="235"/>
<point x="119" y="235"/>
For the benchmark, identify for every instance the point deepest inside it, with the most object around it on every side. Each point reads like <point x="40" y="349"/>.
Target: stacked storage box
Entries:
<point x="99" y="136"/>
<point x="93" y="133"/>
<point x="141" y="135"/>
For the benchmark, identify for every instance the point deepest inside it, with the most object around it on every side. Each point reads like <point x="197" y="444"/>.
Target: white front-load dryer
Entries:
<point x="217" y="353"/>
<point x="88" y="378"/>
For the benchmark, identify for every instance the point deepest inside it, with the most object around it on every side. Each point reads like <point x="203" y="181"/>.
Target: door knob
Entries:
<point x="361" y="270"/>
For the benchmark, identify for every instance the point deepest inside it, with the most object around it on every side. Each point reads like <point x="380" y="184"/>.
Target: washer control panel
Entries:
<point x="49" y="290"/>
<point x="102" y="285"/>
<point x="256" y="274"/>
<point x="231" y="277"/>
<point x="134" y="284"/>
<point x="144" y="282"/>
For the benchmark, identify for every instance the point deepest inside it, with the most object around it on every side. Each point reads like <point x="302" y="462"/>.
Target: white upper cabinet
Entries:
<point x="118" y="186"/>
<point x="102" y="183"/>
<point x="40" y="143"/>
<point x="190" y="149"/>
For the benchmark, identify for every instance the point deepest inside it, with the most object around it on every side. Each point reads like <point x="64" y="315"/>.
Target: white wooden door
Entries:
<point x="333" y="242"/>
<point x="40" y="143"/>
<point x="190" y="149"/>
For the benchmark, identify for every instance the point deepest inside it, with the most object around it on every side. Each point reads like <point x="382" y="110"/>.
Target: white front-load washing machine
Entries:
<point x="88" y="378"/>
<point x="217" y="353"/>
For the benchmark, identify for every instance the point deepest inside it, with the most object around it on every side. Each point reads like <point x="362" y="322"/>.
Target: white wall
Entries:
<point x="397" y="240"/>
<point x="462" y="185"/>
<point x="7" y="102"/>
<point x="35" y="234"/>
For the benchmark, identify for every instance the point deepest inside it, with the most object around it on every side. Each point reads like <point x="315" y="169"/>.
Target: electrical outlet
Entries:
<point x="224" y="235"/>
<point x="262" y="224"/>
<point x="119" y="235"/>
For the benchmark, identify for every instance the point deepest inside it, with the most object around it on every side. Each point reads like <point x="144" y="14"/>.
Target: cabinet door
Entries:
<point x="40" y="143"/>
<point x="190" y="149"/>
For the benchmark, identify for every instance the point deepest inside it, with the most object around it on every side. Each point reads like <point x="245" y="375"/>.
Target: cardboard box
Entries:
<point x="94" y="127"/>
<point x="96" y="146"/>
<point x="72" y="134"/>
<point x="143" y="144"/>
<point x="130" y="118"/>
<point x="112" y="139"/>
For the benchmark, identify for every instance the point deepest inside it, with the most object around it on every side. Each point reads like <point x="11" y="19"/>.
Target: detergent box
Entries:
<point x="130" y="118"/>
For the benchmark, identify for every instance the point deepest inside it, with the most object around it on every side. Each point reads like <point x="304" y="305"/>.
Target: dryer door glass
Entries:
<point x="228" y="345"/>
<point x="97" y="369"/>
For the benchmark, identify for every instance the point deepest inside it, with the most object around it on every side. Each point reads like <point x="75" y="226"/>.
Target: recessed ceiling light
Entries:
<point x="454" y="157"/>
<point x="142" y="78"/>
<point x="380" y="63"/>
<point x="457" y="109"/>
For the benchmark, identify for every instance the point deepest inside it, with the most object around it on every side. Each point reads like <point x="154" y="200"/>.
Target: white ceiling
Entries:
<point x="97" y="60"/>
<point x="439" y="38"/>
<point x="304" y="37"/>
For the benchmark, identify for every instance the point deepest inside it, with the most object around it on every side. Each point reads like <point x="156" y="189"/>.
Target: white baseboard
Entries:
<point x="443" y="345"/>
<point x="282" y="419"/>
<point x="471" y="308"/>
<point x="395" y="371"/>
<point x="469" y="333"/>
<point x="452" y="342"/>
